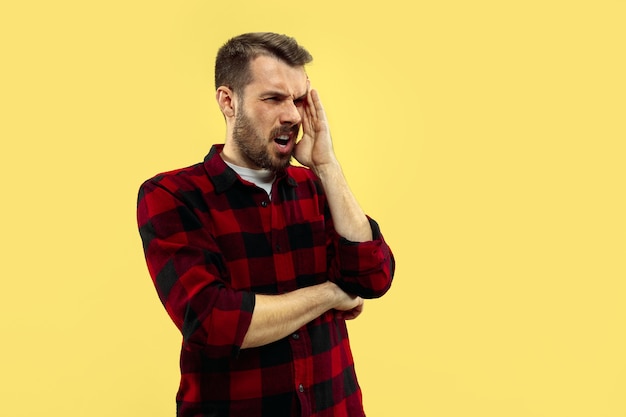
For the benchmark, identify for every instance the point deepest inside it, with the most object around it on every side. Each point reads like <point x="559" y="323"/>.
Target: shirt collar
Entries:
<point x="223" y="177"/>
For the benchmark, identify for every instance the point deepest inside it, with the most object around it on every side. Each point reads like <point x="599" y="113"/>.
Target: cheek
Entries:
<point x="267" y="122"/>
<point x="262" y="117"/>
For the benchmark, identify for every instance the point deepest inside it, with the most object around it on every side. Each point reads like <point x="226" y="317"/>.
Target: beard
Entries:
<point x="256" y="148"/>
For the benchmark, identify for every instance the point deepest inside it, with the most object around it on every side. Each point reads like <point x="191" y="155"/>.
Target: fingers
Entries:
<point x="315" y="147"/>
<point x="350" y="314"/>
<point x="317" y="103"/>
<point x="314" y="110"/>
<point x="310" y="111"/>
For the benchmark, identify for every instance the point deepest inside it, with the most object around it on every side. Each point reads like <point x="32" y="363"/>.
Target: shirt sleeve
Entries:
<point x="190" y="275"/>
<point x="365" y="269"/>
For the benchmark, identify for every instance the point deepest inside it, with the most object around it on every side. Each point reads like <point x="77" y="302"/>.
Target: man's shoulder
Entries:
<point x="194" y="176"/>
<point x="181" y="179"/>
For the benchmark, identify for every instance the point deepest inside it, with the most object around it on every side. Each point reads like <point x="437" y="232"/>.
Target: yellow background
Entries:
<point x="486" y="137"/>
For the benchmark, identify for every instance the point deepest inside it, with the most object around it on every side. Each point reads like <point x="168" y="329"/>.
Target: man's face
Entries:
<point x="268" y="114"/>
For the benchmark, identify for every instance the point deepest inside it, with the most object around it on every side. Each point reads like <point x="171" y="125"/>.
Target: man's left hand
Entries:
<point x="315" y="148"/>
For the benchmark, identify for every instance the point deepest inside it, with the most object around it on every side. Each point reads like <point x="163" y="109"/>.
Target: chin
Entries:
<point x="280" y="164"/>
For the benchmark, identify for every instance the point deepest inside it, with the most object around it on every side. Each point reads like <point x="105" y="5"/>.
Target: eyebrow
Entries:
<point x="282" y="95"/>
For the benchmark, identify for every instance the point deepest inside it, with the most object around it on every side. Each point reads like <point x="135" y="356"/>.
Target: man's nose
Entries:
<point x="290" y="114"/>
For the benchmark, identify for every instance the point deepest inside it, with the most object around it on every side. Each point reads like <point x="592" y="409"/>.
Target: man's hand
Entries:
<point x="315" y="149"/>
<point x="351" y="314"/>
<point x="348" y="306"/>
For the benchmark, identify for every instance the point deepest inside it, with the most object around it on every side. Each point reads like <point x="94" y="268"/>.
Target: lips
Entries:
<point x="282" y="140"/>
<point x="284" y="145"/>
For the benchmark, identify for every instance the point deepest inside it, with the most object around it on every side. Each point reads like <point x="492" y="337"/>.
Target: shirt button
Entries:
<point x="264" y="203"/>
<point x="295" y="336"/>
<point x="301" y="388"/>
<point x="277" y="248"/>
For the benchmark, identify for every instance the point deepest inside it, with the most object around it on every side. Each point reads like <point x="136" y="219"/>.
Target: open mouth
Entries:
<point x="282" y="140"/>
<point x="285" y="139"/>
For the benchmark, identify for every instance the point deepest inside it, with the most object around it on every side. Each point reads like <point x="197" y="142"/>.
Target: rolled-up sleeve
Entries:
<point x="365" y="269"/>
<point x="189" y="274"/>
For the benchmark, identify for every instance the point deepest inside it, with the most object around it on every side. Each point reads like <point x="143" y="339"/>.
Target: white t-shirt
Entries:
<point x="262" y="178"/>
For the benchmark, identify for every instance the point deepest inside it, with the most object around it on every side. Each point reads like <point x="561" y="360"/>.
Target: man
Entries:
<point x="258" y="262"/>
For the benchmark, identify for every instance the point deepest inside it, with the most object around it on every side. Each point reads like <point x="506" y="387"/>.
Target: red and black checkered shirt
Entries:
<point x="212" y="241"/>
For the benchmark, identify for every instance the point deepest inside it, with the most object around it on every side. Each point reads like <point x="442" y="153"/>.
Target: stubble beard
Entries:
<point x="255" y="148"/>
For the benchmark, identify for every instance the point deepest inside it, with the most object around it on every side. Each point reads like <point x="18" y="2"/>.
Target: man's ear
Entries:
<point x="226" y="100"/>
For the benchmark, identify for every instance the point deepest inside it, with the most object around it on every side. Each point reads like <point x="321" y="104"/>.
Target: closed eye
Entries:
<point x="279" y="98"/>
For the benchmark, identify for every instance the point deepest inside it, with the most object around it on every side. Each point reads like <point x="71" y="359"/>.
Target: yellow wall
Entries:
<point x="487" y="137"/>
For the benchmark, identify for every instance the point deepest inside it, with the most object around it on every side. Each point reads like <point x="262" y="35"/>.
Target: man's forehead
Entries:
<point x="270" y="74"/>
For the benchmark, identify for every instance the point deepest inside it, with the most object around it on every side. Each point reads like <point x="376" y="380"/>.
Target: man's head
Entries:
<point x="261" y="89"/>
<point x="232" y="65"/>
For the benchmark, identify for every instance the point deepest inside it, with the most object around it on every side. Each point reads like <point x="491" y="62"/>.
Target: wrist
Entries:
<point x="330" y="294"/>
<point x="330" y="169"/>
<point x="337" y="297"/>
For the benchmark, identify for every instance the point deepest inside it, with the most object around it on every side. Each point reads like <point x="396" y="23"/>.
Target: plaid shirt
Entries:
<point x="212" y="241"/>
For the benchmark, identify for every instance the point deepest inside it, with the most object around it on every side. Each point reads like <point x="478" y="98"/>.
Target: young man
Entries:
<point x="258" y="262"/>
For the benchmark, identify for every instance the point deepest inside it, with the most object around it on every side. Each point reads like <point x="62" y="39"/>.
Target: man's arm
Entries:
<point x="276" y="316"/>
<point x="348" y="218"/>
<point x="190" y="279"/>
<point x="364" y="262"/>
<point x="315" y="151"/>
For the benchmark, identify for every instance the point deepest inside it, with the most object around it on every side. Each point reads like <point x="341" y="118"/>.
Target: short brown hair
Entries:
<point x="232" y="65"/>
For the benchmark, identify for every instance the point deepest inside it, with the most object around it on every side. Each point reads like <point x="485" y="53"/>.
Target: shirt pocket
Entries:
<point x="308" y="244"/>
